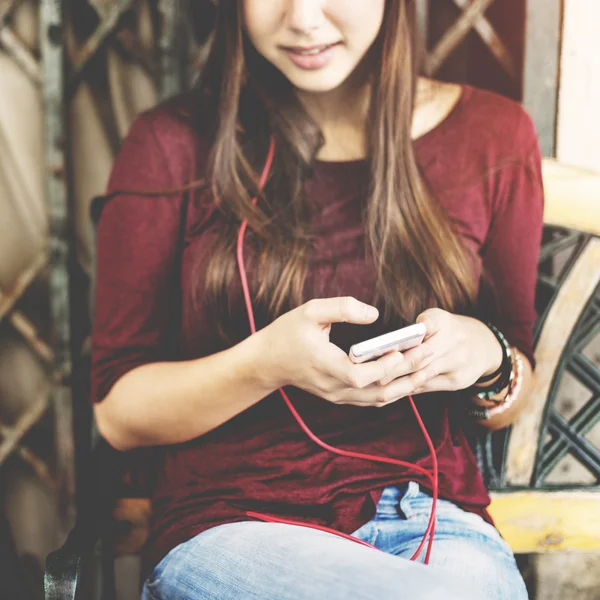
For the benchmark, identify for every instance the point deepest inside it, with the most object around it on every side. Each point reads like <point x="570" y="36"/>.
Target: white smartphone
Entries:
<point x="400" y="340"/>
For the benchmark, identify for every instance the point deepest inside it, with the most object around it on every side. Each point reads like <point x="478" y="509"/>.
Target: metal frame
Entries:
<point x="172" y="47"/>
<point x="568" y="437"/>
<point x="569" y="307"/>
<point x="53" y="92"/>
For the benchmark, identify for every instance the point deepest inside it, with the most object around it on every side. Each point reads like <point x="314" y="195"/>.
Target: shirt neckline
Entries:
<point x="437" y="130"/>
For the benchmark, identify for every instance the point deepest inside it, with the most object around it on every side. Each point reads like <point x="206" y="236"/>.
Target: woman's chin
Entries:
<point x="316" y="83"/>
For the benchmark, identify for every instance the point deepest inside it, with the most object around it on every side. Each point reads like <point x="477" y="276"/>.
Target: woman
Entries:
<point x="391" y="199"/>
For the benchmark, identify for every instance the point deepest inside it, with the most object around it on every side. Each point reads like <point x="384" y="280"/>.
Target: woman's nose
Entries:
<point x="305" y="16"/>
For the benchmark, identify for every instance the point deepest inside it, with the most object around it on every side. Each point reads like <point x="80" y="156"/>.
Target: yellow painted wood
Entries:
<point x="134" y="515"/>
<point x="572" y="197"/>
<point x="536" y="521"/>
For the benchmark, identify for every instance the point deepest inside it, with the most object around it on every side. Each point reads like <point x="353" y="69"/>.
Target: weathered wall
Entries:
<point x="579" y="98"/>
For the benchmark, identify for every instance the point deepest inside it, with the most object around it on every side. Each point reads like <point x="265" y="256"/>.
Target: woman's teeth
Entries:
<point x="313" y="50"/>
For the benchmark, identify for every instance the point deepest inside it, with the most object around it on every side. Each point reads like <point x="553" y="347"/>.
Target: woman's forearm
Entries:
<point x="174" y="402"/>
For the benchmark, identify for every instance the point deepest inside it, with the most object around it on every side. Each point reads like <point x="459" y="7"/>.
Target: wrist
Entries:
<point x="260" y="363"/>
<point x="494" y="353"/>
<point x="481" y="409"/>
<point x="488" y="387"/>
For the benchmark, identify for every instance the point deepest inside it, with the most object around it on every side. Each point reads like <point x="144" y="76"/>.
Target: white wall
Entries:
<point x="579" y="99"/>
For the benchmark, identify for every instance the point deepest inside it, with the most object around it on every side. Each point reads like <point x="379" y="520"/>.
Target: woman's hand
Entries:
<point x="297" y="351"/>
<point x="460" y="350"/>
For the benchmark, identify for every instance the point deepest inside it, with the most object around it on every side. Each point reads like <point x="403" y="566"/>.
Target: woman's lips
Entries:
<point x="315" y="57"/>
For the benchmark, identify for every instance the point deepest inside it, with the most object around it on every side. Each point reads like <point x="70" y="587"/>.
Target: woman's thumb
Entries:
<point x="344" y="309"/>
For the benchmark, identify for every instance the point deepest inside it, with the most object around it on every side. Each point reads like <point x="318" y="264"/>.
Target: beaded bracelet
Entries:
<point x="515" y="387"/>
<point x="505" y="371"/>
<point x="516" y="383"/>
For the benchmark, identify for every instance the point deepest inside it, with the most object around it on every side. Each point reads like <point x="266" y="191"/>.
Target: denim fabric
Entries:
<point x="269" y="561"/>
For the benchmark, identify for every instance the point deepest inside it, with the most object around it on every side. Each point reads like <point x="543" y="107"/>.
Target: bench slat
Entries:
<point x="546" y="521"/>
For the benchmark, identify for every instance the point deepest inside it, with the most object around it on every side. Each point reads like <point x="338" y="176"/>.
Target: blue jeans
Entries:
<point x="270" y="561"/>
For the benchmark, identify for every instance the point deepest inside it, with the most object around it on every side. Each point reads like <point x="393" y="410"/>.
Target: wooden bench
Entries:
<point x="531" y="514"/>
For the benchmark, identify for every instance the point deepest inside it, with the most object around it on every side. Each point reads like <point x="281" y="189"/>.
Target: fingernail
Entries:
<point x="371" y="312"/>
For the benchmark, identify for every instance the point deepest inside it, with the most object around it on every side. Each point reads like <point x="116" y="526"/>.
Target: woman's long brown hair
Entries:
<point x="416" y="254"/>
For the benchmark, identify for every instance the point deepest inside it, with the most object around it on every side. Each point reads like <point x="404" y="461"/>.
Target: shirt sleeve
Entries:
<point x="511" y="251"/>
<point x="137" y="249"/>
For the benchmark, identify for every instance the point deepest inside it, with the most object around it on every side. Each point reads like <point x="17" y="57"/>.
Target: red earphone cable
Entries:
<point x="432" y="476"/>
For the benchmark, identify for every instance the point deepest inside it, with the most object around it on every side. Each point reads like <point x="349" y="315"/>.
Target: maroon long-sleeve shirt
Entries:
<point x="483" y="164"/>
